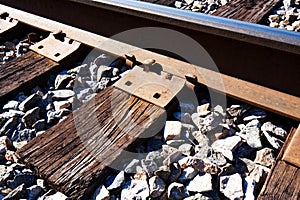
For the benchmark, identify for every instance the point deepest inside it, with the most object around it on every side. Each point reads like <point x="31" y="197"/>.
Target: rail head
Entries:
<point x="234" y="29"/>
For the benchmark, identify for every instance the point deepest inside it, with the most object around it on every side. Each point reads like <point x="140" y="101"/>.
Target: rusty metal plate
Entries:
<point x="56" y="48"/>
<point x="292" y="152"/>
<point x="158" y="87"/>
<point x="6" y="22"/>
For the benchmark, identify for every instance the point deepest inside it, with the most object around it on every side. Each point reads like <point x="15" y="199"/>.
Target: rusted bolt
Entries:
<point x="3" y="15"/>
<point x="191" y="78"/>
<point x="130" y="57"/>
<point x="59" y="35"/>
<point x="130" y="61"/>
<point x="147" y="64"/>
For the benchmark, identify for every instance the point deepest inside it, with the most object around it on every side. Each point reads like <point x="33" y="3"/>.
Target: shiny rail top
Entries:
<point x="234" y="29"/>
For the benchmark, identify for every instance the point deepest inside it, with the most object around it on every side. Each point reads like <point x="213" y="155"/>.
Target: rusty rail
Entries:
<point x="251" y="52"/>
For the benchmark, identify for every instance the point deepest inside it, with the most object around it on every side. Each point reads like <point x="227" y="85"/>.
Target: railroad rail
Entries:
<point x="59" y="154"/>
<point x="213" y="33"/>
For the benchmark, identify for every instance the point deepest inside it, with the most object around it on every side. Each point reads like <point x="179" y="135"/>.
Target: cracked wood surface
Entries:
<point x="283" y="182"/>
<point x="76" y="154"/>
<point x="22" y="71"/>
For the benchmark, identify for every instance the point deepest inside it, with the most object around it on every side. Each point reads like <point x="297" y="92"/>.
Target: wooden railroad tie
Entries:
<point x="283" y="182"/>
<point x="247" y="10"/>
<point x="75" y="162"/>
<point x="25" y="71"/>
<point x="76" y="155"/>
<point x="21" y="71"/>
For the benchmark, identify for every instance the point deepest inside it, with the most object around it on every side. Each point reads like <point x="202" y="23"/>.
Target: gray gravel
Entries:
<point x="202" y="160"/>
<point x="287" y="16"/>
<point x="205" y="151"/>
<point x="17" y="47"/>
<point x="203" y="6"/>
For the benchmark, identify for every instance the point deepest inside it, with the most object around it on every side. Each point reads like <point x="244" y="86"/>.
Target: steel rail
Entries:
<point x="233" y="29"/>
<point x="251" y="52"/>
<point x="266" y="98"/>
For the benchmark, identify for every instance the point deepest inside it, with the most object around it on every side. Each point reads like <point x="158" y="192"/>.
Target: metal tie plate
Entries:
<point x="6" y="22"/>
<point x="56" y="46"/>
<point x="155" y="86"/>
